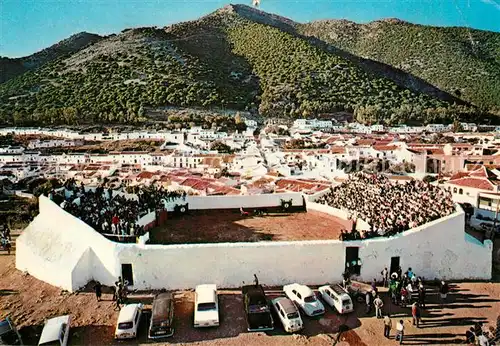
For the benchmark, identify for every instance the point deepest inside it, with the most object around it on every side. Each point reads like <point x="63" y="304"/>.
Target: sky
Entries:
<point x="27" y="26"/>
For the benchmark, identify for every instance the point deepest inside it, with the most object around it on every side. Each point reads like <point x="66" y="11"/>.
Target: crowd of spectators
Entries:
<point x="111" y="213"/>
<point x="388" y="207"/>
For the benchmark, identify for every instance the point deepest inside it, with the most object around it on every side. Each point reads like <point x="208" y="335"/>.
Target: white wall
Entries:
<point x="342" y="214"/>
<point x="147" y="219"/>
<point x="229" y="265"/>
<point x="53" y="249"/>
<point x="440" y="249"/>
<point x="252" y="201"/>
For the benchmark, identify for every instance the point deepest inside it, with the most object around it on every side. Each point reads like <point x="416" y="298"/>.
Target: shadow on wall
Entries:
<point x="90" y="267"/>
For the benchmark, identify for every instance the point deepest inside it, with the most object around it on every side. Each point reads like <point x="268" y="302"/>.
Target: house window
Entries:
<point x="461" y="192"/>
<point x="454" y="190"/>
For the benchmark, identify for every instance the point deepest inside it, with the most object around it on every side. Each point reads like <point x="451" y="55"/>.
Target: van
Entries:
<point x="337" y="297"/>
<point x="162" y="316"/>
<point x="55" y="331"/>
<point x="128" y="321"/>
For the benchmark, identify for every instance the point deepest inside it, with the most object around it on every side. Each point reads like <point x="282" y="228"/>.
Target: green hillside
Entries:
<point x="461" y="61"/>
<point x="223" y="60"/>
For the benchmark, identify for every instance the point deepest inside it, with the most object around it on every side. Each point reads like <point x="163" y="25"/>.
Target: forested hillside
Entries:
<point x="228" y="59"/>
<point x="464" y="62"/>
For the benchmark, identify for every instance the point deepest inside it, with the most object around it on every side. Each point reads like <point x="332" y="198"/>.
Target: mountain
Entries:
<point x="10" y="68"/>
<point x="461" y="61"/>
<point x="238" y="58"/>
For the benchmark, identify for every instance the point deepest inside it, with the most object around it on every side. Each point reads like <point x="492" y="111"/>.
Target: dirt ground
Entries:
<point x="29" y="302"/>
<point x="229" y="226"/>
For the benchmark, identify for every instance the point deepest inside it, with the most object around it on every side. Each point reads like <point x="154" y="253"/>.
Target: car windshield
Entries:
<point x="292" y="315"/>
<point x="125" y="325"/>
<point x="310" y="299"/>
<point x="206" y="306"/>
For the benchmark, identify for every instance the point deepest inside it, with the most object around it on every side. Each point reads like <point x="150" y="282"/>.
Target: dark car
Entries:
<point x="162" y="316"/>
<point x="257" y="309"/>
<point x="8" y="333"/>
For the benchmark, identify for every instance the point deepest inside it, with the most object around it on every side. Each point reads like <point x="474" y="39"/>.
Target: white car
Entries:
<point x="288" y="314"/>
<point x="206" y="306"/>
<point x="337" y="298"/>
<point x="128" y="321"/>
<point x="56" y="331"/>
<point x="305" y="299"/>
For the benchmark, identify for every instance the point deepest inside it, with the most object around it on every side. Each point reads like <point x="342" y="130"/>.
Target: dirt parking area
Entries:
<point x="213" y="226"/>
<point x="29" y="302"/>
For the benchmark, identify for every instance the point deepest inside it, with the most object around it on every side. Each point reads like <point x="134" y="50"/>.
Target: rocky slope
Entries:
<point x="10" y="68"/>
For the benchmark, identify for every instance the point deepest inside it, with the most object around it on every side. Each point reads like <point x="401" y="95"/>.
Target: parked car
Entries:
<point x="128" y="321"/>
<point x="8" y="333"/>
<point x="305" y="299"/>
<point x="162" y="316"/>
<point x="56" y="331"/>
<point x="206" y="306"/>
<point x="257" y="311"/>
<point x="288" y="314"/>
<point x="337" y="298"/>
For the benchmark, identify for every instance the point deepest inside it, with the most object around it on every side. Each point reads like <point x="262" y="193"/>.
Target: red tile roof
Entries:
<point x="385" y="147"/>
<point x="481" y="178"/>
<point x="145" y="175"/>
<point x="459" y="175"/>
<point x="300" y="185"/>
<point x="476" y="183"/>
<point x="365" y="142"/>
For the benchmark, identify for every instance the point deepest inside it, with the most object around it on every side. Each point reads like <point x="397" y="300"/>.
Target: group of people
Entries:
<point x="389" y="207"/>
<point x="477" y="336"/>
<point x="110" y="213"/>
<point x="5" y="237"/>
<point x="119" y="292"/>
<point x="403" y="287"/>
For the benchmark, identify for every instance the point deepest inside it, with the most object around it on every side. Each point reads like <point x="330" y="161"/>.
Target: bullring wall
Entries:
<point x="243" y="201"/>
<point x="440" y="249"/>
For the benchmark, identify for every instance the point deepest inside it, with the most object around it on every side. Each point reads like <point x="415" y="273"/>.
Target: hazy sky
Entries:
<point x="27" y="26"/>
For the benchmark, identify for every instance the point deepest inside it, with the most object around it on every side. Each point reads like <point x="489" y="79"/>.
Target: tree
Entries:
<point x="457" y="126"/>
<point x="221" y="147"/>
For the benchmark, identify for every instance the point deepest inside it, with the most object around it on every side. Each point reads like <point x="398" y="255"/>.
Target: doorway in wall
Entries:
<point x="351" y="260"/>
<point x="394" y="264"/>
<point x="127" y="274"/>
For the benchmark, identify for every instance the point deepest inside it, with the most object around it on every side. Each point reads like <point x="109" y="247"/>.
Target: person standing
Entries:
<point x="374" y="286"/>
<point x="387" y="326"/>
<point x="483" y="340"/>
<point x="369" y="302"/>
<point x="421" y="296"/>
<point x="378" y="303"/>
<point x="443" y="291"/>
<point x="399" y="271"/>
<point x="470" y="338"/>
<point x="98" y="291"/>
<point x="385" y="277"/>
<point x="400" y="329"/>
<point x="415" y="314"/>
